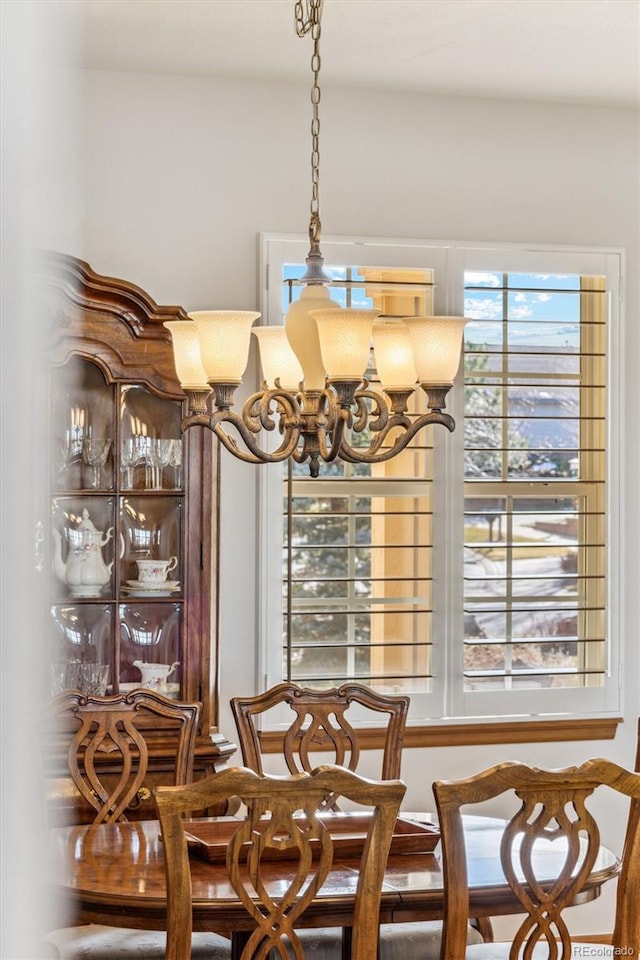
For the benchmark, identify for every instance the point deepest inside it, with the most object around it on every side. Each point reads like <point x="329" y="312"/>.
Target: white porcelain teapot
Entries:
<point x="155" y="675"/>
<point x="85" y="571"/>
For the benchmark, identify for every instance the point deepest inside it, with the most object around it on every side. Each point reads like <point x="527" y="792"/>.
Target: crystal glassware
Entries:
<point x="65" y="676"/>
<point x="131" y="454"/>
<point x="159" y="451"/>
<point x="93" y="679"/>
<point x="175" y="461"/>
<point x="95" y="451"/>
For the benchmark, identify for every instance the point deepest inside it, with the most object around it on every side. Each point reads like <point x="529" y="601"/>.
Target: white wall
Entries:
<point x="179" y="175"/>
<point x="37" y="159"/>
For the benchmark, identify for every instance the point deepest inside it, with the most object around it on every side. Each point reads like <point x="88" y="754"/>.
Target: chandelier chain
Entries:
<point x="308" y="17"/>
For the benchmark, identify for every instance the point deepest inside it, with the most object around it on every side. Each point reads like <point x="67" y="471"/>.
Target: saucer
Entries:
<point x="149" y="586"/>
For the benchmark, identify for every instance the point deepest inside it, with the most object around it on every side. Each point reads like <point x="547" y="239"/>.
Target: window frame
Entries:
<point x="449" y="261"/>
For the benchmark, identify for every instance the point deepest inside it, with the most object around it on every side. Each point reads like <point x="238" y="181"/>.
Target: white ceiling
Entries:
<point x="567" y="51"/>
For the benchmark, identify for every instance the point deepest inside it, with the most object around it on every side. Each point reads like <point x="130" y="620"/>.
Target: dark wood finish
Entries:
<point x="274" y="913"/>
<point x="110" y="321"/>
<point x="117" y="327"/>
<point x="320" y="722"/>
<point x="551" y="806"/>
<point x="465" y="734"/>
<point x="115" y="874"/>
<point x="116" y="729"/>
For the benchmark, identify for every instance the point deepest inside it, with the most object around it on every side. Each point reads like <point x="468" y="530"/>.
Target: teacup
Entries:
<point x="155" y="571"/>
<point x="155" y="675"/>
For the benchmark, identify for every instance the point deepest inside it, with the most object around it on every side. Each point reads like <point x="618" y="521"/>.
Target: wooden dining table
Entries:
<point x="114" y="874"/>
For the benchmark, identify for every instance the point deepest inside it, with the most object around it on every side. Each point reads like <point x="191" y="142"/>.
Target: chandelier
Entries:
<point x="315" y="395"/>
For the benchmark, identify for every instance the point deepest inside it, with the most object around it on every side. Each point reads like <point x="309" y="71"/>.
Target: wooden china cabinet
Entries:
<point x="123" y="487"/>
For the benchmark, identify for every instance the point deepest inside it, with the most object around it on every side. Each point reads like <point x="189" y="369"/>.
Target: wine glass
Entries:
<point x="130" y="455"/>
<point x="175" y="461"/>
<point x="159" y="451"/>
<point x="95" y="451"/>
<point x="63" y="457"/>
<point x="143" y="447"/>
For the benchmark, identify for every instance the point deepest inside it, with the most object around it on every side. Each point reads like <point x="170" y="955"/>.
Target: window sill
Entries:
<point x="474" y="734"/>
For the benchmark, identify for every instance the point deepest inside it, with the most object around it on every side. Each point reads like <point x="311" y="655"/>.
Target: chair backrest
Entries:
<point x="272" y="823"/>
<point x="319" y="724"/>
<point x="552" y="807"/>
<point x="105" y="741"/>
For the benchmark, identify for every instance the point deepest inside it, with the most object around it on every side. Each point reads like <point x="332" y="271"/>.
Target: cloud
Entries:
<point x="479" y="278"/>
<point x="479" y="308"/>
<point x="519" y="313"/>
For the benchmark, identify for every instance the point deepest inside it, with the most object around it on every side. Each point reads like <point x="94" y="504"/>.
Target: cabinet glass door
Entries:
<point x="117" y="515"/>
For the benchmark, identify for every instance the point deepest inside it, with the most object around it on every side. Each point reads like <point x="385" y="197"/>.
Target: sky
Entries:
<point x="539" y="317"/>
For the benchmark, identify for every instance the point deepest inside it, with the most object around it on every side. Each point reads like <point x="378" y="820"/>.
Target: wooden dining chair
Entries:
<point x="105" y="745"/>
<point x="552" y="807"/>
<point x="101" y="747"/>
<point x="322" y="721"/>
<point x="282" y="813"/>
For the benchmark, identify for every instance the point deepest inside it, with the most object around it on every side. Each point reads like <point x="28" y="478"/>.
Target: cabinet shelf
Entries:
<point x="123" y="598"/>
<point x="114" y="491"/>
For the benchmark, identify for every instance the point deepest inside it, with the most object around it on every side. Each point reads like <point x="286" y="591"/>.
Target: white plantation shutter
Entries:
<point x="535" y="467"/>
<point x="479" y="575"/>
<point x="358" y="541"/>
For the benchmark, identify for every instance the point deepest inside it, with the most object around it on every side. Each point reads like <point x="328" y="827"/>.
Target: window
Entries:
<point x="474" y="571"/>
<point x="535" y="470"/>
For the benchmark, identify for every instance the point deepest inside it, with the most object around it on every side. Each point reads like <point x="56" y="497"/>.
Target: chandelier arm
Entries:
<point x="373" y="454"/>
<point x="194" y="420"/>
<point x="253" y="453"/>
<point x="395" y="422"/>
<point x="328" y="410"/>
<point x="339" y="419"/>
<point x="257" y="457"/>
<point x="380" y="411"/>
<point x="257" y="411"/>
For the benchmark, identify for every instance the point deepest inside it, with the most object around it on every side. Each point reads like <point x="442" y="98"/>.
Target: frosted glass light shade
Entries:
<point x="187" y="355"/>
<point x="277" y="358"/>
<point x="394" y="356"/>
<point x="302" y="332"/>
<point x="224" y="342"/>
<point x="436" y="343"/>
<point x="345" y="340"/>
